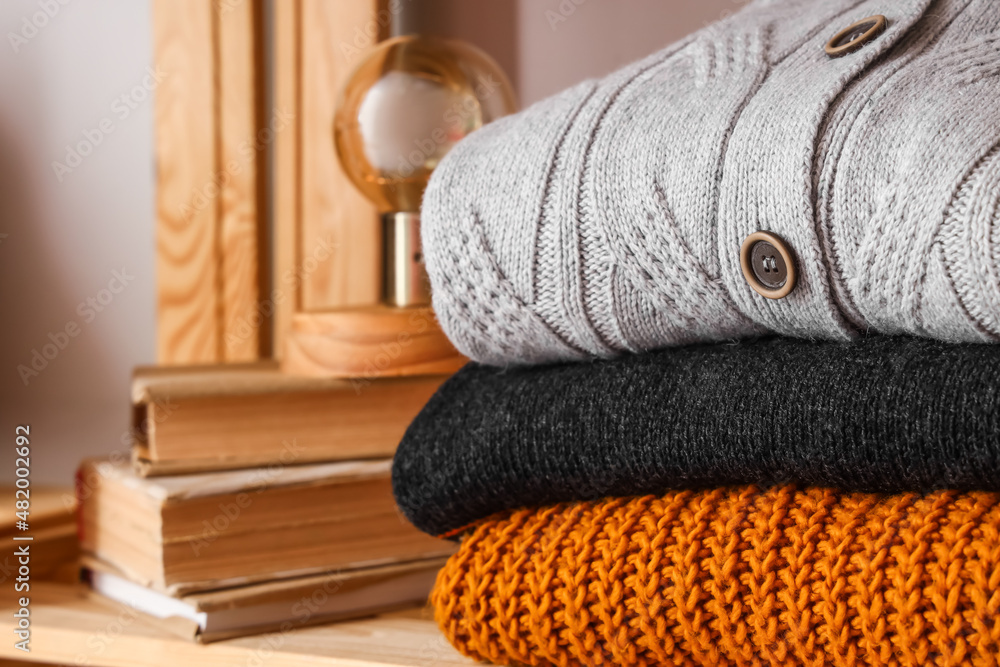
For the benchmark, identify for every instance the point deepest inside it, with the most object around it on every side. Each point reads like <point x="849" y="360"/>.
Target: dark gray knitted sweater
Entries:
<point x="879" y="414"/>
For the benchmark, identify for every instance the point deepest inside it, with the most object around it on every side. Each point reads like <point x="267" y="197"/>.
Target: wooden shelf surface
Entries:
<point x="73" y="627"/>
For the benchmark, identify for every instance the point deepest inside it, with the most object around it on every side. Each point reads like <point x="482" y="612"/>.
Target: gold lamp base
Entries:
<point x="369" y="342"/>
<point x="404" y="278"/>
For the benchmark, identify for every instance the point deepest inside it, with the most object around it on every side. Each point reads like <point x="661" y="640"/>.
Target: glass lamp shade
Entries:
<point x="405" y="106"/>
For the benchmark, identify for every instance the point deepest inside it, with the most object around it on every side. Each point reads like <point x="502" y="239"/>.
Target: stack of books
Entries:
<point x="256" y="502"/>
<point x="44" y="527"/>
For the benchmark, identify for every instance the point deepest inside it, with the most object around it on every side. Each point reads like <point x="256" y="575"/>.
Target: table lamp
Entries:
<point x="407" y="103"/>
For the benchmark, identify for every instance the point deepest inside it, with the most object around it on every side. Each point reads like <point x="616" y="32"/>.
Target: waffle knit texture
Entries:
<point x="609" y="218"/>
<point x="879" y="414"/>
<point x="736" y="576"/>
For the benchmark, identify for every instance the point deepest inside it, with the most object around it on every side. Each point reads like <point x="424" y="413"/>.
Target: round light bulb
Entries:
<point x="407" y="103"/>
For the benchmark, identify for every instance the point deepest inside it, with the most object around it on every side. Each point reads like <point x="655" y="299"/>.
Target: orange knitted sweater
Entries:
<point x="736" y="576"/>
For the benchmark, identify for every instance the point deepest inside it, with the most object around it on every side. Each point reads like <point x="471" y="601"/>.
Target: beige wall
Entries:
<point x="548" y="45"/>
<point x="565" y="41"/>
<point x="68" y="232"/>
<point x="65" y="237"/>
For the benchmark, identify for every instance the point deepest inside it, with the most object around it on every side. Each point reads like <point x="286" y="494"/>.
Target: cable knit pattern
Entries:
<point x="736" y="576"/>
<point x="608" y="219"/>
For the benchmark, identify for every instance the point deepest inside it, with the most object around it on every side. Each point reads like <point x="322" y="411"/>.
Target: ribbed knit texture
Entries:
<point x="883" y="414"/>
<point x="735" y="576"/>
<point x="609" y="218"/>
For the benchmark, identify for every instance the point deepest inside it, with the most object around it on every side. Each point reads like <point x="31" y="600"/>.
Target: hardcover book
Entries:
<point x="209" y="530"/>
<point x="193" y="419"/>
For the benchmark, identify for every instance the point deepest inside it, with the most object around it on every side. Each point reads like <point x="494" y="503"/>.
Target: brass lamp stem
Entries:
<point x="404" y="278"/>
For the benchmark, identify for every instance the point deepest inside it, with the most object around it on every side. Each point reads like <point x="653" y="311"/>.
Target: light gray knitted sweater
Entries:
<point x="609" y="218"/>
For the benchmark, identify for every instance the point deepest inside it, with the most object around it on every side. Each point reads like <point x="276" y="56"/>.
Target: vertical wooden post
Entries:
<point x="187" y="270"/>
<point x="209" y="197"/>
<point x="245" y="137"/>
<point x="287" y="78"/>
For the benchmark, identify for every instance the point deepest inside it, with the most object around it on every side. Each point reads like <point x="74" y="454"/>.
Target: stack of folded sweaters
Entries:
<point x="733" y="311"/>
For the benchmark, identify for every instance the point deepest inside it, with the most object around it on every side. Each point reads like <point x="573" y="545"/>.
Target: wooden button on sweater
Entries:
<point x="768" y="265"/>
<point x="856" y="36"/>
